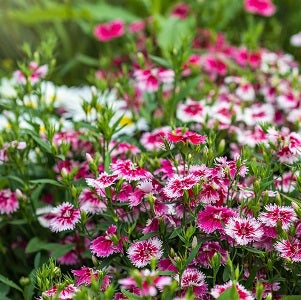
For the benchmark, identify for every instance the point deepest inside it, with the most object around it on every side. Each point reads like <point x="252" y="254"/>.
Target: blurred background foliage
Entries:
<point x="71" y="22"/>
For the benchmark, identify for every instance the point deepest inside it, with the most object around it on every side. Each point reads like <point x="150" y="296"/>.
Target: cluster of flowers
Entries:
<point x="201" y="209"/>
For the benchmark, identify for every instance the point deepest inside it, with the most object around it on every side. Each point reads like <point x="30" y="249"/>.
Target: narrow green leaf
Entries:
<point x="160" y="61"/>
<point x="46" y="180"/>
<point x="292" y="297"/>
<point x="10" y="283"/>
<point x="193" y="254"/>
<point x="253" y="250"/>
<point x="148" y="236"/>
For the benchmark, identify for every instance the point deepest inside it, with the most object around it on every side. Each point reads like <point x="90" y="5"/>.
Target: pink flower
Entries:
<point x="150" y="80"/>
<point x="178" y="135"/>
<point x="68" y="292"/>
<point x="176" y="186"/>
<point x="103" y="181"/>
<point x="264" y="8"/>
<point x="137" y="26"/>
<point x="192" y="111"/>
<point x="8" y="201"/>
<point x="283" y="215"/>
<point x="85" y="275"/>
<point x="65" y="217"/>
<point x="194" y="279"/>
<point x="154" y="140"/>
<point x="180" y="11"/>
<point x="90" y="203"/>
<point x="149" y="282"/>
<point x="215" y="66"/>
<point x="289" y="249"/>
<point x="108" y="243"/>
<point x="217" y="290"/>
<point x="141" y="253"/>
<point x="108" y="31"/>
<point x="129" y="171"/>
<point x="243" y="230"/>
<point x="213" y="218"/>
<point x="36" y="73"/>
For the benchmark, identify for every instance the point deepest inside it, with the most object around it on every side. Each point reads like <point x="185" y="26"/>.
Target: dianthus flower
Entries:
<point x="178" y="135"/>
<point x="141" y="253"/>
<point x="289" y="249"/>
<point x="108" y="31"/>
<point x="85" y="275"/>
<point x="243" y="294"/>
<point x="150" y="80"/>
<point x="90" y="203"/>
<point x="8" y="201"/>
<point x="243" y="230"/>
<point x="176" y="186"/>
<point x="264" y="8"/>
<point x="149" y="283"/>
<point x="129" y="171"/>
<point x="283" y="215"/>
<point x="65" y="217"/>
<point x="108" y="243"/>
<point x="214" y="218"/>
<point x="194" y="279"/>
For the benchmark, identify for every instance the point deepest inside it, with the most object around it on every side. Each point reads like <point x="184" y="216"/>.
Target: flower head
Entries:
<point x="141" y="253"/>
<point x="195" y="279"/>
<point x="129" y="171"/>
<point x="213" y="218"/>
<point x="289" y="249"/>
<point x="108" y="243"/>
<point x="64" y="217"/>
<point x="8" y="201"/>
<point x="108" y="31"/>
<point x="243" y="230"/>
<point x="243" y="294"/>
<point x="275" y="214"/>
<point x="264" y="8"/>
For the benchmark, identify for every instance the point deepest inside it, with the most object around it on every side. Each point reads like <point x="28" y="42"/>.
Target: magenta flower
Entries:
<point x="194" y="279"/>
<point x="154" y="140"/>
<point x="244" y="294"/>
<point x="85" y="275"/>
<point x="243" y="230"/>
<point x="141" y="253"/>
<point x="65" y="217"/>
<point x="275" y="214"/>
<point x="214" y="218"/>
<point x="176" y="186"/>
<point x="8" y="201"/>
<point x="108" y="243"/>
<point x="215" y="65"/>
<point x="150" y="283"/>
<point x="264" y="8"/>
<point x="36" y="73"/>
<point x="186" y="137"/>
<point x="192" y="111"/>
<point x="104" y="180"/>
<point x="129" y="171"/>
<point x="150" y="80"/>
<point x="289" y="249"/>
<point x="108" y="31"/>
<point x="90" y="203"/>
<point x="68" y="292"/>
